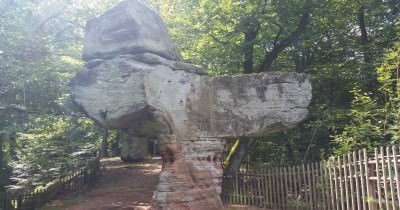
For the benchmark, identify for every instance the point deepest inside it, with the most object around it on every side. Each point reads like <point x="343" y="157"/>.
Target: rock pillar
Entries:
<point x="191" y="175"/>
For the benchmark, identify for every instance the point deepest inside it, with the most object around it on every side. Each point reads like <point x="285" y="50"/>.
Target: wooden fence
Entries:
<point x="34" y="199"/>
<point x="356" y="181"/>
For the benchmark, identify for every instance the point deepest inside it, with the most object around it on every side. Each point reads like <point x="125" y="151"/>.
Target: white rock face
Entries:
<point x="138" y="83"/>
<point x="126" y="93"/>
<point x="130" y="27"/>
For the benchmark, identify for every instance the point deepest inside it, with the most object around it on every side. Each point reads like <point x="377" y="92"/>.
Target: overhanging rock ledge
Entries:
<point x="136" y="80"/>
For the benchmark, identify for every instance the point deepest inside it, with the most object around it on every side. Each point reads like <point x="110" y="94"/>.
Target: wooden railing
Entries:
<point x="37" y="198"/>
<point x="354" y="181"/>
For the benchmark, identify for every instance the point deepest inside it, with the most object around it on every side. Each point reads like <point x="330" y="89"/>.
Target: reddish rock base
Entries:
<point x="187" y="181"/>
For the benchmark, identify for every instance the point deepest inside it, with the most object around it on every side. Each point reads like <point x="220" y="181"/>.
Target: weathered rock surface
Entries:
<point x="148" y="91"/>
<point x="131" y="27"/>
<point x="134" y="149"/>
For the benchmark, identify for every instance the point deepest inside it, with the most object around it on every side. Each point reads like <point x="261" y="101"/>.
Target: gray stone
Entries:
<point x="149" y="93"/>
<point x="148" y="99"/>
<point x="134" y="149"/>
<point x="131" y="27"/>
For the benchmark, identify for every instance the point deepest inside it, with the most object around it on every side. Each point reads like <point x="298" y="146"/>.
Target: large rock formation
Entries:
<point x="133" y="148"/>
<point x="134" y="79"/>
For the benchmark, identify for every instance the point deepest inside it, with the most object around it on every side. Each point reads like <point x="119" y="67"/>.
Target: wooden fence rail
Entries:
<point x="34" y="199"/>
<point x="356" y="181"/>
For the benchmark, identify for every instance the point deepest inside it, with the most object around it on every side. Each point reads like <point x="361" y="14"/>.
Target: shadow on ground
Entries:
<point x="121" y="185"/>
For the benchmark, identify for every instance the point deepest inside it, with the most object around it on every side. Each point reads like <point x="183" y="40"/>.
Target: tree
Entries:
<point x="104" y="144"/>
<point x="340" y="43"/>
<point x="375" y="117"/>
<point x="250" y="34"/>
<point x="41" y="45"/>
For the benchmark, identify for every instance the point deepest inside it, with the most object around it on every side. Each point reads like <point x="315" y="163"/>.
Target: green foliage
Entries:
<point x="375" y="118"/>
<point x="53" y="147"/>
<point x="389" y="76"/>
<point x="340" y="43"/>
<point x="40" y="50"/>
<point x="365" y="128"/>
<point x="341" y="46"/>
<point x="212" y="33"/>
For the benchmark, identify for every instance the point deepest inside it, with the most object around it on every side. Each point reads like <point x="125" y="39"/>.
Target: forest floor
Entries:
<point x="120" y="186"/>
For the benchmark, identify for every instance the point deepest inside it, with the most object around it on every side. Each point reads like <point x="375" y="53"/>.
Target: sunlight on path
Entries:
<point x="120" y="186"/>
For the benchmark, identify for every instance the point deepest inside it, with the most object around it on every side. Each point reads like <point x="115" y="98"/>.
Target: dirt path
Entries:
<point x="121" y="186"/>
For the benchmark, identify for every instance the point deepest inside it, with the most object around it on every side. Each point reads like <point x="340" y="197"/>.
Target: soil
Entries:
<point x="121" y="185"/>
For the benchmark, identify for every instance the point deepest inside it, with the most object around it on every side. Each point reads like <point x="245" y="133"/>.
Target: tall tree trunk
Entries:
<point x="248" y="49"/>
<point x="1" y="156"/>
<point x="13" y="145"/>
<point x="271" y="56"/>
<point x="289" y="150"/>
<point x="103" y="150"/>
<point x="369" y="80"/>
<point x="237" y="154"/>
<point x="116" y="145"/>
<point x="364" y="34"/>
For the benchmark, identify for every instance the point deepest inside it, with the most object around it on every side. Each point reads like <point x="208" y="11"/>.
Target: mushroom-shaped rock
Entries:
<point x="148" y="91"/>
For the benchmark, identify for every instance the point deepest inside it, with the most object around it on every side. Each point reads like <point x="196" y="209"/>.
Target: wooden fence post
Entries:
<point x="346" y="182"/>
<point x="396" y="174"/>
<point x="36" y="198"/>
<point x="350" y="162"/>
<point x="371" y="184"/>
<point x="384" y="178"/>
<point x="389" y="166"/>
<point x="353" y="181"/>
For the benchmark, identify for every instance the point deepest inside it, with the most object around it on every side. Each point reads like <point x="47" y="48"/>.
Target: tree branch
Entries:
<point x="284" y="43"/>
<point x="278" y="35"/>
<point x="217" y="39"/>
<point x="250" y="35"/>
